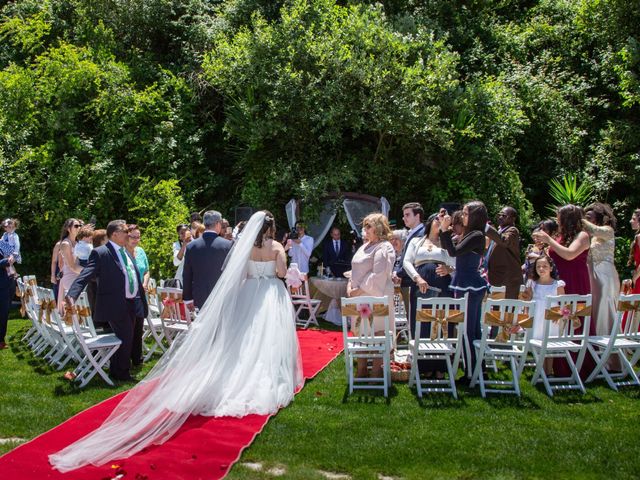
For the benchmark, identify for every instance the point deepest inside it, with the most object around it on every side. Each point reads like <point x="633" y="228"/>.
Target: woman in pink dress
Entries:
<point x="66" y="260"/>
<point x="569" y="252"/>
<point x="371" y="268"/>
<point x="634" y="255"/>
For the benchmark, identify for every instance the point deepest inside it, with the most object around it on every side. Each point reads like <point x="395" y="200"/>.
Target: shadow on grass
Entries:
<point x="369" y="396"/>
<point x="439" y="400"/>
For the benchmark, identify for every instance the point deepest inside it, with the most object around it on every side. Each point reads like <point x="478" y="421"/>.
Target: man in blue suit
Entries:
<point x="203" y="261"/>
<point x="336" y="253"/>
<point x="120" y="298"/>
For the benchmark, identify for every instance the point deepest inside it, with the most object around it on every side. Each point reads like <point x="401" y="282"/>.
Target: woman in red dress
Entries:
<point x="569" y="252"/>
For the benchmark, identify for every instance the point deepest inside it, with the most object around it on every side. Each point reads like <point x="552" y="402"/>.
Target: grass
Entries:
<point x="588" y="436"/>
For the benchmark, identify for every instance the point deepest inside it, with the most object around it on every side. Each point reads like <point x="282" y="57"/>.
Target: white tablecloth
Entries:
<point x="335" y="288"/>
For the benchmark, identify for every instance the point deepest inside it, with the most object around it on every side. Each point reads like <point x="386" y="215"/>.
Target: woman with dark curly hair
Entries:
<point x="570" y="252"/>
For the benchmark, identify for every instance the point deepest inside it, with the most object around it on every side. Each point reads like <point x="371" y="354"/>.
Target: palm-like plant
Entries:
<point x="566" y="190"/>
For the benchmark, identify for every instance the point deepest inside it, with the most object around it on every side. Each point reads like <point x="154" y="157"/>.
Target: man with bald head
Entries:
<point x="504" y="265"/>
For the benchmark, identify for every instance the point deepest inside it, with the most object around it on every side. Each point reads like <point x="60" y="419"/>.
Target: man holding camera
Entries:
<point x="300" y="246"/>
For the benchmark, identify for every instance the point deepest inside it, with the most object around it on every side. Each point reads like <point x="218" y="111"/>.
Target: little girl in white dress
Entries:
<point x="543" y="283"/>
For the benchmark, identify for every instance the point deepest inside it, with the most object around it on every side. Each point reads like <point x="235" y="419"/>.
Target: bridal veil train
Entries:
<point x="241" y="356"/>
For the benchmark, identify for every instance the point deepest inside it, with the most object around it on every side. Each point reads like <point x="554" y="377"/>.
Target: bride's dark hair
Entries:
<point x="268" y="229"/>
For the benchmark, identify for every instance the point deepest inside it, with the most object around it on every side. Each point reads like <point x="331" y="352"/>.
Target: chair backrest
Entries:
<point x="45" y="305"/>
<point x="628" y="310"/>
<point x="570" y="313"/>
<point x="398" y="304"/>
<point x="301" y="292"/>
<point x="85" y="317"/>
<point x="152" y="293"/>
<point x="496" y="293"/>
<point x="513" y="318"/>
<point x="172" y="306"/>
<point x="362" y="310"/>
<point x="440" y="312"/>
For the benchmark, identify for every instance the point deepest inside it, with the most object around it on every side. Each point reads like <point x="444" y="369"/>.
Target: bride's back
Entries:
<point x="271" y="251"/>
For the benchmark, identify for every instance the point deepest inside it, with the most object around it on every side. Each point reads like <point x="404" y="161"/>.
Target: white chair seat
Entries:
<point x="561" y="345"/>
<point x="430" y="348"/>
<point x="603" y="341"/>
<point x="101" y="341"/>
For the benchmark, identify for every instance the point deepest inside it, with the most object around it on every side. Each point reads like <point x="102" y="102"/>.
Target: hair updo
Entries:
<point x="268" y="229"/>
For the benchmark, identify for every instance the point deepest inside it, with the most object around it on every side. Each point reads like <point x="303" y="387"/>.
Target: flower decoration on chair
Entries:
<point x="564" y="314"/>
<point x="294" y="278"/>
<point x="509" y="323"/>
<point x="624" y="306"/>
<point x="364" y="311"/>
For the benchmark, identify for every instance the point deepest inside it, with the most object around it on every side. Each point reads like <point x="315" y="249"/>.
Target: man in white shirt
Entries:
<point x="300" y="248"/>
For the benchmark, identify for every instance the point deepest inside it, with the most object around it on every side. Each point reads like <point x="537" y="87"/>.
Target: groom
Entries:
<point x="119" y="297"/>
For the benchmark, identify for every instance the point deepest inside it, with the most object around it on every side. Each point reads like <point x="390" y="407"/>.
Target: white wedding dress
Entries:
<point x="240" y="357"/>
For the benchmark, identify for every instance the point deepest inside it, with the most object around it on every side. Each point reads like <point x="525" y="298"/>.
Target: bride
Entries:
<point x="240" y="357"/>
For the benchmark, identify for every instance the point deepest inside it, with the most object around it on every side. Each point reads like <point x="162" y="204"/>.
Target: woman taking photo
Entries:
<point x="466" y="278"/>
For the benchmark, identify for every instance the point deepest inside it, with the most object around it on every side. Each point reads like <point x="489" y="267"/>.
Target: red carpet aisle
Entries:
<point x="204" y="447"/>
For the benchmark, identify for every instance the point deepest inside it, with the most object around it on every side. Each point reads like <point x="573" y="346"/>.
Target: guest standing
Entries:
<point x="140" y="258"/>
<point x="69" y="268"/>
<point x="371" y="269"/>
<point x="119" y="299"/>
<point x="570" y="252"/>
<point x="504" y="266"/>
<point x="413" y="218"/>
<point x="466" y="278"/>
<point x="99" y="238"/>
<point x="428" y="266"/>
<point x="6" y="261"/>
<point x="336" y="253"/>
<point x="634" y="255"/>
<point x="179" y="247"/>
<point x="300" y="248"/>
<point x="203" y="261"/>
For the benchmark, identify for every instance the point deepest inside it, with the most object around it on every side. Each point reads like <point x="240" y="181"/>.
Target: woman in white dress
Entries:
<point x="240" y="357"/>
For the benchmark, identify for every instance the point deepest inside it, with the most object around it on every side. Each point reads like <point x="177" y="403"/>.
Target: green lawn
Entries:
<point x="364" y="436"/>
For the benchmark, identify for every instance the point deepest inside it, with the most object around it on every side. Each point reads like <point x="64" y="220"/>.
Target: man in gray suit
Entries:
<point x="203" y="261"/>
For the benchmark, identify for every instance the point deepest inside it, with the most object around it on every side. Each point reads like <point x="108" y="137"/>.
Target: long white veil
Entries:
<point x="180" y="384"/>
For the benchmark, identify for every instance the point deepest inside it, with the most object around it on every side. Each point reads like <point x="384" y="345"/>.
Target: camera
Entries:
<point x="293" y="234"/>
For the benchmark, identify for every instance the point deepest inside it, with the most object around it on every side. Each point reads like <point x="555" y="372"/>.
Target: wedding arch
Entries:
<point x="356" y="206"/>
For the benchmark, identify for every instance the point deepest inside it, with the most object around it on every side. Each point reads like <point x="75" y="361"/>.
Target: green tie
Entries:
<point x="129" y="271"/>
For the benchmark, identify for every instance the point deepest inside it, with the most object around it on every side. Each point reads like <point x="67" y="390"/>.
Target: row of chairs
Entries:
<point x="506" y="337"/>
<point x="72" y="337"/>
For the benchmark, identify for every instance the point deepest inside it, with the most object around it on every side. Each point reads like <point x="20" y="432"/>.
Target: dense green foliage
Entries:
<point x="255" y="102"/>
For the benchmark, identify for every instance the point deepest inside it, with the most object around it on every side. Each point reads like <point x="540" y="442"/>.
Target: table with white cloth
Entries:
<point x="335" y="288"/>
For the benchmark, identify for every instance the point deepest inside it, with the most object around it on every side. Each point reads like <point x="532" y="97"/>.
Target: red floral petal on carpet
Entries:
<point x="204" y="447"/>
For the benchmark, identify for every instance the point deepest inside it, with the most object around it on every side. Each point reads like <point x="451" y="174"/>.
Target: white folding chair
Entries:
<point x="514" y="320"/>
<point x="174" y="316"/>
<point x="401" y="319"/>
<point x="365" y="343"/>
<point x="96" y="350"/>
<point x="623" y="343"/>
<point x="153" y="327"/>
<point x="302" y="301"/>
<point x="24" y="294"/>
<point x="432" y="341"/>
<point x="569" y="313"/>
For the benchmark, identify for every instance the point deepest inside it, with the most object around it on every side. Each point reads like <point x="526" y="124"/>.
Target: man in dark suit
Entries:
<point x="336" y="253"/>
<point x="413" y="217"/>
<point x="203" y="261"/>
<point x="120" y="298"/>
<point x="5" y="291"/>
<point x="504" y="265"/>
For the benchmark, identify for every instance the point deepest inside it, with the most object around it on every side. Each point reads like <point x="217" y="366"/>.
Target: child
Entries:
<point x="544" y="282"/>
<point x="11" y="243"/>
<point x="84" y="244"/>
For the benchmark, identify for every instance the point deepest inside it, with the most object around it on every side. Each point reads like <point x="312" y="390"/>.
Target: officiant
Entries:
<point x="336" y="253"/>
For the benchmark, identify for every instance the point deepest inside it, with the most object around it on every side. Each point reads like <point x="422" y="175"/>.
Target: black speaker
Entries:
<point x="242" y="214"/>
